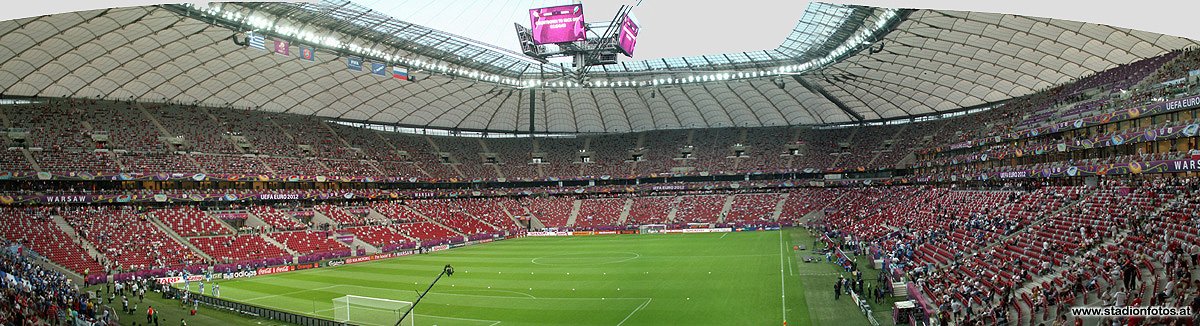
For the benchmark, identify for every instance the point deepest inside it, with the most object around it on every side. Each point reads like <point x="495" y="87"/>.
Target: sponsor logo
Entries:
<point x="177" y="279"/>
<point x="333" y="263"/>
<point x="240" y="274"/>
<point x="279" y="196"/>
<point x="548" y="234"/>
<point x="1014" y="174"/>
<point x="274" y="270"/>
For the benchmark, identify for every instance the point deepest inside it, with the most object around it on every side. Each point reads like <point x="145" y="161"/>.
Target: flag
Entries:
<point x="400" y="73"/>
<point x="257" y="41"/>
<point x="308" y="53"/>
<point x="378" y="69"/>
<point x="354" y="63"/>
<point x="281" y="47"/>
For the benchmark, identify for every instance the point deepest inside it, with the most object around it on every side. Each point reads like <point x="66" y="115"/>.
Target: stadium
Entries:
<point x="420" y="162"/>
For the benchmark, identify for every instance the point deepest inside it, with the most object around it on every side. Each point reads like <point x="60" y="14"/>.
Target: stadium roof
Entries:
<point x="824" y="73"/>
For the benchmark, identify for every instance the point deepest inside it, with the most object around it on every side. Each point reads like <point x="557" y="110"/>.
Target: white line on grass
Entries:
<point x="782" y="286"/>
<point x="531" y="297"/>
<point x="622" y="260"/>
<point x="527" y="295"/>
<point x="790" y="263"/>
<point x="644" y="304"/>
<point x="819" y="274"/>
<point x="457" y="318"/>
<point x="290" y="293"/>
<point x="723" y="235"/>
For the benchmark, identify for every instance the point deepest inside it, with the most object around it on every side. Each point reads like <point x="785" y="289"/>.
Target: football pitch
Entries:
<point x="737" y="278"/>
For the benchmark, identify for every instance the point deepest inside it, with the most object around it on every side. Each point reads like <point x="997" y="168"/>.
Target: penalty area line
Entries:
<point x="290" y="293"/>
<point x="635" y="310"/>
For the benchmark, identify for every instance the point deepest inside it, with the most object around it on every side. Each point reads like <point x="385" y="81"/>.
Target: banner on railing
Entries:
<point x="179" y="279"/>
<point x="1118" y="115"/>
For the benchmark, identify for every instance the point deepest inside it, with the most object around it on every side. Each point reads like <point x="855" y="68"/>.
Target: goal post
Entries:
<point x="651" y="228"/>
<point x="369" y="311"/>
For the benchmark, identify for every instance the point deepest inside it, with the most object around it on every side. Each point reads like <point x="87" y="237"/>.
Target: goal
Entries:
<point x="651" y="228"/>
<point x="368" y="311"/>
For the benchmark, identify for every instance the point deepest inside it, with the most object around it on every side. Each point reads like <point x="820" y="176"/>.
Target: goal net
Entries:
<point x="651" y="228"/>
<point x="370" y="311"/>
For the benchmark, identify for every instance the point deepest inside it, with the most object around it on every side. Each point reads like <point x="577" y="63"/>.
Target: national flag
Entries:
<point x="354" y="63"/>
<point x="308" y="53"/>
<point x="257" y="41"/>
<point x="400" y="73"/>
<point x="281" y="47"/>
<point x="378" y="69"/>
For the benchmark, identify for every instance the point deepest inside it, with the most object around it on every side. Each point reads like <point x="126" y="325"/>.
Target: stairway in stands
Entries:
<point x="66" y="227"/>
<point x="175" y="236"/>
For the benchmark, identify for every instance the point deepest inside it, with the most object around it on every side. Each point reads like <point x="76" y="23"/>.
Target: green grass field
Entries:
<point x="740" y="278"/>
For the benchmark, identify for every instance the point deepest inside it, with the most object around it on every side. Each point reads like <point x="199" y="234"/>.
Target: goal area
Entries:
<point x="369" y="311"/>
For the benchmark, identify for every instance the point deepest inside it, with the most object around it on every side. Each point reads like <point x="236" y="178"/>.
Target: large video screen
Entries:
<point x="557" y="24"/>
<point x="628" y="37"/>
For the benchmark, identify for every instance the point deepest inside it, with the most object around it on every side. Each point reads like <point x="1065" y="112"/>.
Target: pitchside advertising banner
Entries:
<point x="557" y="24"/>
<point x="714" y="230"/>
<point x="587" y="233"/>
<point x="179" y="279"/>
<point x="275" y="270"/>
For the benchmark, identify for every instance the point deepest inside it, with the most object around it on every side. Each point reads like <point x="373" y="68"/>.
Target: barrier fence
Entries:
<point x="263" y="312"/>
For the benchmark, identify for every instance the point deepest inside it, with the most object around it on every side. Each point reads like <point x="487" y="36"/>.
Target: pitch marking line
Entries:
<point x="782" y="285"/>
<point x="291" y="293"/>
<point x="457" y="318"/>
<point x="790" y="263"/>
<point x="819" y="274"/>
<point x="488" y="296"/>
<point x="527" y="295"/>
<point x="644" y="304"/>
<point x="622" y="260"/>
<point x="723" y="235"/>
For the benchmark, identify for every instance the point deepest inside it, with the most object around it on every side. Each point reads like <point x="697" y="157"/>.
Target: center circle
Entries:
<point x="586" y="258"/>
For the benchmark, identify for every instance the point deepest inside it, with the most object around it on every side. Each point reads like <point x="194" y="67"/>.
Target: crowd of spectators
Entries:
<point x="35" y="295"/>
